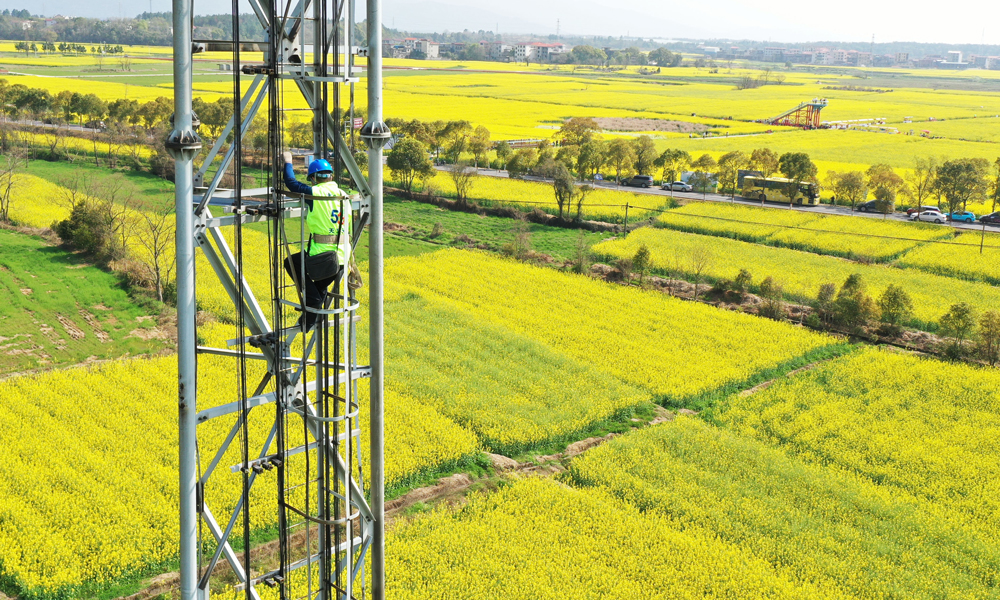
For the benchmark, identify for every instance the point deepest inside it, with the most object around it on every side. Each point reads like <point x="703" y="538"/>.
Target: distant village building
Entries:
<point x="498" y="51"/>
<point x="953" y="61"/>
<point x="429" y="48"/>
<point x="773" y="54"/>
<point x="537" y="51"/>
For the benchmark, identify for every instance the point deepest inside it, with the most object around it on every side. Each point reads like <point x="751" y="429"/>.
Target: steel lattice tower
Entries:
<point x="311" y="453"/>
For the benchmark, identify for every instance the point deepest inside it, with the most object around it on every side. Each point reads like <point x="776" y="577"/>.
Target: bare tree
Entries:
<point x="115" y="137"/>
<point x="462" y="174"/>
<point x="10" y="166"/>
<point x="581" y="196"/>
<point x="921" y="180"/>
<point x="701" y="261"/>
<point x="74" y="188"/>
<point x="56" y="141"/>
<point x="113" y="197"/>
<point x="157" y="240"/>
<point x="989" y="337"/>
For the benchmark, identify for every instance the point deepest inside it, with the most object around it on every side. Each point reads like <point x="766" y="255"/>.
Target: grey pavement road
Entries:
<point x="827" y="209"/>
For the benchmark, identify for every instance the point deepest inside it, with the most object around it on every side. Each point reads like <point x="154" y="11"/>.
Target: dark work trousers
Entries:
<point x="314" y="291"/>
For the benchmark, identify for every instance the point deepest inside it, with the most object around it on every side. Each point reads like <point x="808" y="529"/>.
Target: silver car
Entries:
<point x="931" y="216"/>
<point x="677" y="186"/>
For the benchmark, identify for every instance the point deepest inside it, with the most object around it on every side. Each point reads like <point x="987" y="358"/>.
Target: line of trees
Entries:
<point x="952" y="183"/>
<point x="585" y="54"/>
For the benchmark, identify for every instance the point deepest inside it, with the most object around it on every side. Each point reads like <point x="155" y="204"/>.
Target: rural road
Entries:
<point x="827" y="209"/>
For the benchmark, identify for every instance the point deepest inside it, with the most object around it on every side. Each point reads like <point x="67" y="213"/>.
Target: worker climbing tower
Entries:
<point x="281" y="449"/>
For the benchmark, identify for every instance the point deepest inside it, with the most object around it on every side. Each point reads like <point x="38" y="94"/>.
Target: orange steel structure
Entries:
<point x="805" y="115"/>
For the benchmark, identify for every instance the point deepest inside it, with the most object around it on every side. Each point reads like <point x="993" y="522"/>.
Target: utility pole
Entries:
<point x="183" y="144"/>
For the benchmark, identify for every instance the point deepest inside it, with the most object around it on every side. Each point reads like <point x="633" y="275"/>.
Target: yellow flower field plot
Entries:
<point x="602" y="204"/>
<point x="36" y="202"/>
<point x="104" y="90"/>
<point x="89" y="61"/>
<point x="545" y="100"/>
<point x="850" y="237"/>
<point x="737" y="221"/>
<point x="70" y="515"/>
<point x="927" y="428"/>
<point x="856" y="147"/>
<point x="800" y="273"/>
<point x="960" y="259"/>
<point x="512" y="391"/>
<point x="859" y="237"/>
<point x="984" y="128"/>
<point x="548" y="541"/>
<point x="630" y="333"/>
<point x="838" y="531"/>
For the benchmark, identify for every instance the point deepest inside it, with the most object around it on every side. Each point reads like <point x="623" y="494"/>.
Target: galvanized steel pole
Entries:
<point x="183" y="144"/>
<point x="377" y="133"/>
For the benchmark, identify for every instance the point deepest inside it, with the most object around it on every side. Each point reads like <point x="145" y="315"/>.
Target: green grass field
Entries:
<point x="58" y="310"/>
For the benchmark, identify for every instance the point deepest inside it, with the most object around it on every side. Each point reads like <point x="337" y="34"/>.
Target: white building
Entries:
<point x="537" y="51"/>
<point x="429" y="48"/>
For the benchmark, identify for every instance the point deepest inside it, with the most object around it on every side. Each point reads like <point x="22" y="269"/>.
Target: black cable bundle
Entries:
<point x="240" y="317"/>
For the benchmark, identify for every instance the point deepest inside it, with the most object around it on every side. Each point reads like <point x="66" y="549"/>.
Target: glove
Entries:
<point x="287" y="156"/>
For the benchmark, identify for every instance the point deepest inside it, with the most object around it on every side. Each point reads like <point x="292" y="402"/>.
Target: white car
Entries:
<point x="677" y="186"/>
<point x="931" y="216"/>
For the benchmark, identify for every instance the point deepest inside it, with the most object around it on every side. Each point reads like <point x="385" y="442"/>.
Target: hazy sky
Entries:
<point x="777" y="20"/>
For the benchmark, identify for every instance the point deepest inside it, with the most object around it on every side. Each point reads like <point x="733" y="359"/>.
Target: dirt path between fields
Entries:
<point x="638" y="124"/>
<point x="452" y="490"/>
<point x="763" y="386"/>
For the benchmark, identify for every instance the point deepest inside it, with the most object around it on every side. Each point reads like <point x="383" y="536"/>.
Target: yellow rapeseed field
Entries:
<point x="547" y="541"/>
<point x="673" y="349"/>
<point x="70" y="515"/>
<point x="36" y="202"/>
<point x="852" y="237"/>
<point x="511" y="390"/>
<point x="822" y="525"/>
<point x="962" y="259"/>
<point x="926" y="427"/>
<point x="800" y="273"/>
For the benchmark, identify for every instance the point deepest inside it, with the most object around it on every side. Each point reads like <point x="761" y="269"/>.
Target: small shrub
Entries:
<point x="90" y="229"/>
<point x="640" y="262"/>
<point x="437" y="230"/>
<point x="623" y="266"/>
<point x="853" y="307"/>
<point x="722" y="287"/>
<point x="772" y="307"/>
<point x="960" y="323"/>
<point x="520" y="246"/>
<point x="824" y="301"/>
<point x="581" y="261"/>
<point x="742" y="282"/>
<point x="769" y="289"/>
<point x="895" y="307"/>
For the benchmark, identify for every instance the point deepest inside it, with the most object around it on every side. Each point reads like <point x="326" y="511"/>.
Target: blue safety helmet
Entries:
<point x="320" y="166"/>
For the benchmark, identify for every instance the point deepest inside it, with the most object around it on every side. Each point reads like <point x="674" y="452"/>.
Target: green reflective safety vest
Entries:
<point x="328" y="217"/>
